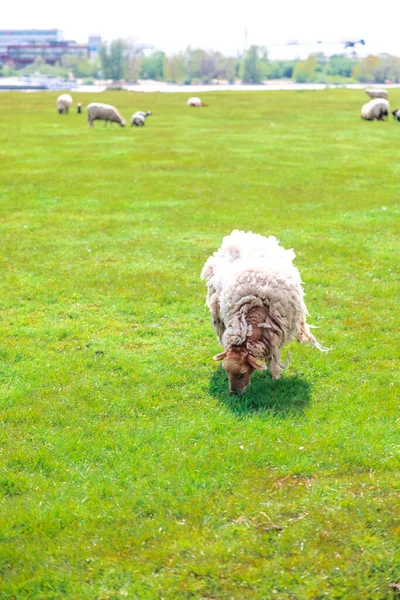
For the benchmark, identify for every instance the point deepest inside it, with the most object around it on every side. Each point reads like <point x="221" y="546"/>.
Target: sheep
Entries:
<point x="396" y="114"/>
<point x="376" y="93"/>
<point x="256" y="303"/>
<point x="104" y="112"/>
<point x="79" y="108"/>
<point x="139" y="118"/>
<point x="195" y="102"/>
<point x="375" y="109"/>
<point x="63" y="103"/>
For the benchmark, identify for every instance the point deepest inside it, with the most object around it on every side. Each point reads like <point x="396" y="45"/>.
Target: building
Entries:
<point x="16" y="37"/>
<point x="49" y="53"/>
<point x="23" y="47"/>
<point x="94" y="43"/>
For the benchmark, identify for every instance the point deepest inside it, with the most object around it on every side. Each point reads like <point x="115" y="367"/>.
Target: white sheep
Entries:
<point x="138" y="118"/>
<point x="376" y="93"/>
<point x="104" y="112"/>
<point x="63" y="103"/>
<point x="256" y="302"/>
<point x="195" y="102"/>
<point x="375" y="109"/>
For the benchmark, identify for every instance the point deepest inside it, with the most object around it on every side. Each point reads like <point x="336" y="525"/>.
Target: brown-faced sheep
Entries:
<point x="256" y="302"/>
<point x="104" y="112"/>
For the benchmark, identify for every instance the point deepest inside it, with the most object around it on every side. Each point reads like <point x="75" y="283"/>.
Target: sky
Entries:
<point x="217" y="24"/>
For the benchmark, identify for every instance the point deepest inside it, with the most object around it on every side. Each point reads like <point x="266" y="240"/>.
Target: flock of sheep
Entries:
<point x="378" y="108"/>
<point x="255" y="293"/>
<point x="97" y="111"/>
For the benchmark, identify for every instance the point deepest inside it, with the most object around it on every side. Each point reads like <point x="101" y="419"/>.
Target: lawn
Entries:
<point x="126" y="467"/>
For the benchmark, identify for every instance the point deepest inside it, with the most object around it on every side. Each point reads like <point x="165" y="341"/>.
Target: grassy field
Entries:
<point x="126" y="468"/>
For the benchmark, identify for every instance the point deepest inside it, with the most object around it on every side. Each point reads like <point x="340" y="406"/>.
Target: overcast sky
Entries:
<point x="218" y="24"/>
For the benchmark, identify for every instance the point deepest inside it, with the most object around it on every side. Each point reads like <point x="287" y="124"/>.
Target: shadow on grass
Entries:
<point x="287" y="396"/>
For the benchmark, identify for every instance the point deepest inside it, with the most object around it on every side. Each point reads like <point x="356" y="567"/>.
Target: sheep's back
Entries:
<point x="245" y="245"/>
<point x="103" y="111"/>
<point x="373" y="108"/>
<point x="273" y="284"/>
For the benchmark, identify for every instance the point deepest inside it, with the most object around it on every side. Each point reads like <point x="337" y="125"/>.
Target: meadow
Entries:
<point x="126" y="467"/>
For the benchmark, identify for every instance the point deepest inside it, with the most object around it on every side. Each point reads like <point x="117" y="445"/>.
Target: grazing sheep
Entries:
<point x="139" y="118"/>
<point x="256" y="303"/>
<point x="104" y="112"/>
<point x="375" y="109"/>
<point x="396" y="114"/>
<point x="79" y="108"/>
<point x="195" y="102"/>
<point x="63" y="103"/>
<point x="376" y="93"/>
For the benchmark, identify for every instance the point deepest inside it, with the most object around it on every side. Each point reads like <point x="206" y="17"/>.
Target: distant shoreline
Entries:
<point x="156" y="86"/>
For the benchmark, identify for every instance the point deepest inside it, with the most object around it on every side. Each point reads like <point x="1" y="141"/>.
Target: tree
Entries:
<point x="281" y="69"/>
<point x="255" y="65"/>
<point x="40" y="66"/>
<point x="133" y="61"/>
<point x="152" y="66"/>
<point x="174" y="69"/>
<point x="81" y="66"/>
<point x="113" y="59"/>
<point x="231" y="69"/>
<point x="8" y="69"/>
<point x="304" y="70"/>
<point x="378" y="69"/>
<point x="341" y="65"/>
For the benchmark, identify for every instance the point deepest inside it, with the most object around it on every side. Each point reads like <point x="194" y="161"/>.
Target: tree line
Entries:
<point x="120" y="60"/>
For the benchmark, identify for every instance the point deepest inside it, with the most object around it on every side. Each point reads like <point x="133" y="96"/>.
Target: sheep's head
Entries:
<point x="122" y="122"/>
<point x="240" y="366"/>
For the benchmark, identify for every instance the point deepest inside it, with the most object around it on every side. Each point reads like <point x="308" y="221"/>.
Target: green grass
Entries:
<point x="126" y="468"/>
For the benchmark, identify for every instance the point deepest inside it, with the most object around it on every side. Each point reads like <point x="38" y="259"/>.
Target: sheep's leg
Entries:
<point x="219" y="327"/>
<point x="275" y="365"/>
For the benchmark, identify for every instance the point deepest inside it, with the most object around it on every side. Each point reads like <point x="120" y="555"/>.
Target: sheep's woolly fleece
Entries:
<point x="251" y="271"/>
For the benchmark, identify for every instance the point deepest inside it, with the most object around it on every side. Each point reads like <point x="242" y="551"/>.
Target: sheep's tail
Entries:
<point x="305" y="336"/>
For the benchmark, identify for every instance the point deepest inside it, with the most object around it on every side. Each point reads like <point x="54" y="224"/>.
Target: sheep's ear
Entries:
<point x="260" y="366"/>
<point x="219" y="356"/>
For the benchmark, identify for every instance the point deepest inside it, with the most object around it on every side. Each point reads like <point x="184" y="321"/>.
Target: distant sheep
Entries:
<point x="138" y="118"/>
<point x="79" y="108"/>
<point x="375" y="109"/>
<point x="377" y="93"/>
<point x="63" y="103"/>
<point x="195" y="102"/>
<point x="396" y="114"/>
<point x="256" y="302"/>
<point x="104" y="112"/>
